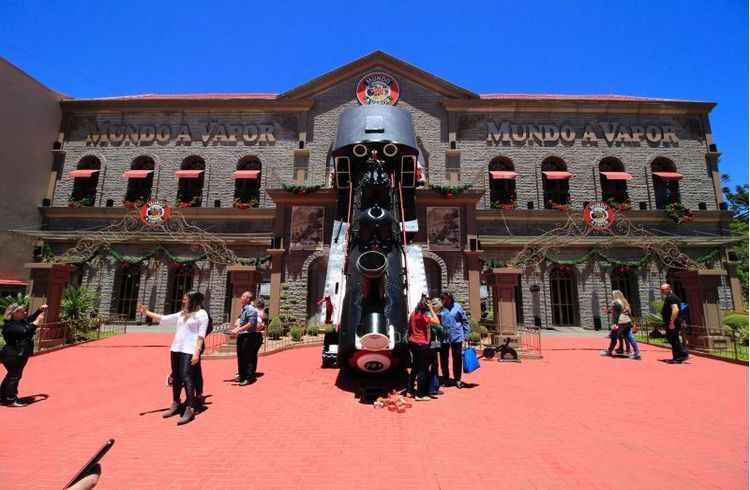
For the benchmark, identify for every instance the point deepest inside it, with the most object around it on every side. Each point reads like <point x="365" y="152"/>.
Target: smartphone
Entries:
<point x="91" y="463"/>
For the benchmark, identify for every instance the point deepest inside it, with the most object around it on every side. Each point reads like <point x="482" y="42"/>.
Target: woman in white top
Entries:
<point x="191" y="324"/>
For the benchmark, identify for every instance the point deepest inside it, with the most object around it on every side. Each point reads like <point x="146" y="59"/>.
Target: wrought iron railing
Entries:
<point x="67" y="332"/>
<point x="699" y="339"/>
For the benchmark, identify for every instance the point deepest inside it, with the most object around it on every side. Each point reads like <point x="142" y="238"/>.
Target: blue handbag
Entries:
<point x="471" y="361"/>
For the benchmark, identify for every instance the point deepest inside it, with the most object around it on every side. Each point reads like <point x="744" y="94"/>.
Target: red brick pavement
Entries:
<point x="571" y="420"/>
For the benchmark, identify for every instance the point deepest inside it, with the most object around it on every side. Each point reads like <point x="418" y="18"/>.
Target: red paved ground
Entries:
<point x="572" y="420"/>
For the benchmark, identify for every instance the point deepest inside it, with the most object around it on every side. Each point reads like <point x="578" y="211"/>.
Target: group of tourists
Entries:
<point x="621" y="330"/>
<point x="437" y="329"/>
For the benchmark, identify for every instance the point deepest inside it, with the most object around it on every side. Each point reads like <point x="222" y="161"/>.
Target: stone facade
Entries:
<point x="449" y="138"/>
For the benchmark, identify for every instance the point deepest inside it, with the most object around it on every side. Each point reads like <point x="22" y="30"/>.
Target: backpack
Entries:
<point x="684" y="314"/>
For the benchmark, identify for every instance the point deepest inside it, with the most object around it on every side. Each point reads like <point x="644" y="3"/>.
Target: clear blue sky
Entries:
<point x="675" y="49"/>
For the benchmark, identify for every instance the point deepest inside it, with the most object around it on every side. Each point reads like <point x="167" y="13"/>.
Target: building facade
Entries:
<point x="252" y="174"/>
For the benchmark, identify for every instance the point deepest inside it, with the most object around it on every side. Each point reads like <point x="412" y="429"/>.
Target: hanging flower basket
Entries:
<point x="240" y="204"/>
<point x="678" y="213"/>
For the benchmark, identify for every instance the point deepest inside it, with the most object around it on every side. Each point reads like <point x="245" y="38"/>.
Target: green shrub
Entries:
<point x="475" y="337"/>
<point x="328" y="328"/>
<point x="296" y="333"/>
<point x="313" y="328"/>
<point x="736" y="326"/>
<point x="275" y="331"/>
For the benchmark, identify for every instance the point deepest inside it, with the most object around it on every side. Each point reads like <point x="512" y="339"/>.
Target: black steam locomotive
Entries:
<point x="371" y="278"/>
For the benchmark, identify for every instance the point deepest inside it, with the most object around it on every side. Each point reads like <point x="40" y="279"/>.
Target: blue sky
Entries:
<point x="675" y="49"/>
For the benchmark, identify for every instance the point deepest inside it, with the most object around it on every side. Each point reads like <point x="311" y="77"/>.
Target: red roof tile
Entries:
<point x="195" y="96"/>
<point x="597" y="97"/>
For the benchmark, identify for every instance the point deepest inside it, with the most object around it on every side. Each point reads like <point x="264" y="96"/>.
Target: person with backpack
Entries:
<point x="673" y="320"/>
<point x="247" y="353"/>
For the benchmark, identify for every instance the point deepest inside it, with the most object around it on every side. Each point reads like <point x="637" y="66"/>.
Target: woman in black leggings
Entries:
<point x="18" y="332"/>
<point x="191" y="324"/>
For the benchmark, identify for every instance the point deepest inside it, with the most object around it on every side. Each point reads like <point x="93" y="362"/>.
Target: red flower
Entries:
<point x="449" y="195"/>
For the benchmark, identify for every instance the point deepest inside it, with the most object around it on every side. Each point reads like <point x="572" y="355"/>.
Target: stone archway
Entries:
<point x="313" y="272"/>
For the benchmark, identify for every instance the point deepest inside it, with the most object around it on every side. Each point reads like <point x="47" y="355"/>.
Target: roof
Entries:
<point x="456" y="98"/>
<point x="57" y="94"/>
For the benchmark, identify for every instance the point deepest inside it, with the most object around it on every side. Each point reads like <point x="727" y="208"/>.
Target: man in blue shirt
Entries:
<point x="247" y="354"/>
<point x="455" y="328"/>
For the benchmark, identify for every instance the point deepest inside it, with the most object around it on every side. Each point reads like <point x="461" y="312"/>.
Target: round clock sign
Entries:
<point x="377" y="88"/>
<point x="599" y="216"/>
<point x="155" y="213"/>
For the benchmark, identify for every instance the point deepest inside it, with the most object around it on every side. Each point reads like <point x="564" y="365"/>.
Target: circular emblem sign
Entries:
<point x="377" y="88"/>
<point x="155" y="213"/>
<point x="598" y="215"/>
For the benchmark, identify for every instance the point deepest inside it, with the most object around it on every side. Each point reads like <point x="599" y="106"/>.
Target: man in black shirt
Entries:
<point x="670" y="313"/>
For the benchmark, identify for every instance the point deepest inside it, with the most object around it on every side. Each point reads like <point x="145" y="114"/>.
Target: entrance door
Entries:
<point x="316" y="285"/>
<point x="434" y="278"/>
<point x="564" y="297"/>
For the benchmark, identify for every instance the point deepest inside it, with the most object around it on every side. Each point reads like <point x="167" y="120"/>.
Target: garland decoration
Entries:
<point x="301" y="188"/>
<point x="449" y="191"/>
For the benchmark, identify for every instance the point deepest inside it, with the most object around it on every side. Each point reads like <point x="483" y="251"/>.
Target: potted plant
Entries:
<point x="678" y="213"/>
<point x="450" y="191"/>
<point x="244" y="204"/>
<point x="83" y="202"/>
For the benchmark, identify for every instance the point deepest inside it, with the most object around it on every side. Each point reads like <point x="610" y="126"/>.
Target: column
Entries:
<point x="473" y="272"/>
<point x="504" y="281"/>
<point x="735" y="286"/>
<point x="277" y="268"/>
<point x="47" y="284"/>
<point x="242" y="278"/>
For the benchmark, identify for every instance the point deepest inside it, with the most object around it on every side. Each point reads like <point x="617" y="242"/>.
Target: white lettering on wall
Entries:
<point x="117" y="134"/>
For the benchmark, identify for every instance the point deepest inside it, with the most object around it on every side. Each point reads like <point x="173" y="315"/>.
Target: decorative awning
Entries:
<point x="246" y="174"/>
<point x="84" y="173"/>
<point x="188" y="174"/>
<point x="557" y="175"/>
<point x="12" y="282"/>
<point x="137" y="174"/>
<point x="617" y="175"/>
<point x="503" y="175"/>
<point x="668" y="175"/>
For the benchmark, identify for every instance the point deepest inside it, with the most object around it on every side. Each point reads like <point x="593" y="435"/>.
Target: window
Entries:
<point x="502" y="183"/>
<point x="626" y="281"/>
<point x="563" y="296"/>
<point x="666" y="182"/>
<point x="190" y="183"/>
<point x="85" y="183"/>
<point x="613" y="180"/>
<point x="140" y="181"/>
<point x="247" y="183"/>
<point x="126" y="287"/>
<point x="180" y="282"/>
<point x="555" y="183"/>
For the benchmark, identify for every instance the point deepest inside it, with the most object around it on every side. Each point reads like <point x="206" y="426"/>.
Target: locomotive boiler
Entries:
<point x="374" y="277"/>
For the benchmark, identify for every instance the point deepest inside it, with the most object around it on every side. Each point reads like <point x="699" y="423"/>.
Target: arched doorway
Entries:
<point x="563" y="296"/>
<point x="626" y="281"/>
<point x="316" y="284"/>
<point x="434" y="277"/>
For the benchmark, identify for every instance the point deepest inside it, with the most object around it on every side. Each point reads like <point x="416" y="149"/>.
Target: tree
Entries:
<point x="738" y="203"/>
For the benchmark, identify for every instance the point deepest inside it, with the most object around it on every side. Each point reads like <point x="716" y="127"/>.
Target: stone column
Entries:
<point x="242" y="278"/>
<point x="47" y="284"/>
<point x="473" y="268"/>
<point x="504" y="281"/>
<point x="277" y="269"/>
<point x="701" y="288"/>
<point x="735" y="286"/>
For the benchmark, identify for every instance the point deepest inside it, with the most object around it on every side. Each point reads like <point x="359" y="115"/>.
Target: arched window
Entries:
<point x="85" y="182"/>
<point x="247" y="183"/>
<point x="626" y="281"/>
<point x="140" y="181"/>
<point x="555" y="178"/>
<point x="613" y="180"/>
<point x="180" y="282"/>
<point x="126" y="287"/>
<point x="563" y="296"/>
<point x="190" y="183"/>
<point x="502" y="183"/>
<point x="666" y="182"/>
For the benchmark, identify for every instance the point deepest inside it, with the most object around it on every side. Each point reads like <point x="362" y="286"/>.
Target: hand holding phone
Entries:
<point x="89" y="467"/>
